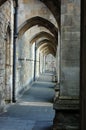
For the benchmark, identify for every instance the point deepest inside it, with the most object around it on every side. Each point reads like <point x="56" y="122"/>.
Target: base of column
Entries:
<point x="56" y="92"/>
<point x="66" y="114"/>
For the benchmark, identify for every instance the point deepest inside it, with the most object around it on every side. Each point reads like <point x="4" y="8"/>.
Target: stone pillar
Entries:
<point x="58" y="61"/>
<point x="67" y="104"/>
<point x="44" y="63"/>
<point x="70" y="48"/>
<point x="41" y="63"/>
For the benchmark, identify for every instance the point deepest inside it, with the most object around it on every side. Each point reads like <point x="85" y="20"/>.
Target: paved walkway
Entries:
<point x="34" y="111"/>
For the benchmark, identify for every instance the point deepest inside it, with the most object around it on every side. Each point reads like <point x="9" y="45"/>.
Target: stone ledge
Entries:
<point x="66" y="128"/>
<point x="66" y="104"/>
<point x="69" y="97"/>
<point x="72" y="128"/>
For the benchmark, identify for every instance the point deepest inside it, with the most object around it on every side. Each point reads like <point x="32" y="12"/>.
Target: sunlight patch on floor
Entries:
<point x="35" y="104"/>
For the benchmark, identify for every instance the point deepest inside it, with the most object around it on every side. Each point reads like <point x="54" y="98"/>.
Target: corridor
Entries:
<point x="39" y="36"/>
<point x="34" y="110"/>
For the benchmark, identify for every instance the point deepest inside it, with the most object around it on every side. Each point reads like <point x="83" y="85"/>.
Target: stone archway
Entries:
<point x="40" y="22"/>
<point x="43" y="34"/>
<point x="49" y="42"/>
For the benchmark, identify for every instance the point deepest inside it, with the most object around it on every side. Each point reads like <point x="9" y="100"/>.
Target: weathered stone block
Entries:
<point x="63" y="9"/>
<point x="69" y="81"/>
<point x="72" y="36"/>
<point x="66" y="20"/>
<point x="70" y="8"/>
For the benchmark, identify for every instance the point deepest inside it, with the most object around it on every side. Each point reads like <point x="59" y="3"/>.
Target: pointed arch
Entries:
<point x="43" y="34"/>
<point x="48" y="48"/>
<point x="40" y="22"/>
<point x="48" y="42"/>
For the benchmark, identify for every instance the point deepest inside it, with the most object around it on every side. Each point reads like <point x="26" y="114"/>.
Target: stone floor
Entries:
<point x="34" y="110"/>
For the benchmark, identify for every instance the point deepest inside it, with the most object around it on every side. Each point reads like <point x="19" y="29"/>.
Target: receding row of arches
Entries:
<point x="50" y="40"/>
<point x="37" y="37"/>
<point x="42" y="41"/>
<point x="46" y="41"/>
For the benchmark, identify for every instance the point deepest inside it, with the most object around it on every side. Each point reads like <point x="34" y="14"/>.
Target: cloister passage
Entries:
<point x="40" y="75"/>
<point x="34" y="110"/>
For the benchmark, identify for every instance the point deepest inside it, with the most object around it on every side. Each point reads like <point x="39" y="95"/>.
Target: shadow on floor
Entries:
<point x="34" y="110"/>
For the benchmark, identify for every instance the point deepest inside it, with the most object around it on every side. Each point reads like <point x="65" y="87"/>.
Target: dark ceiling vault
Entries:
<point x="49" y="42"/>
<point x="54" y="6"/>
<point x="2" y="2"/>
<point x="48" y="49"/>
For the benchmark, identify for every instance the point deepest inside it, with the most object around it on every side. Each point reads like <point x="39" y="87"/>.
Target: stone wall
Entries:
<point x="6" y="21"/>
<point x="25" y="63"/>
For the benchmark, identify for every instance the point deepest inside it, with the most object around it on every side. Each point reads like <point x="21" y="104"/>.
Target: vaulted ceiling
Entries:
<point x="2" y="1"/>
<point x="54" y="6"/>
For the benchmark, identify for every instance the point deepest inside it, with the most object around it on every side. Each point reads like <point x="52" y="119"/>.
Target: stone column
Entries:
<point x="70" y="48"/>
<point x="68" y="101"/>
<point x="44" y="63"/>
<point x="58" y="61"/>
<point x="58" y="67"/>
<point x="41" y="63"/>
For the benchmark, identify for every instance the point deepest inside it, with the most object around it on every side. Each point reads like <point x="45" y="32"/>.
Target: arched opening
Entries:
<point x="49" y="42"/>
<point x="50" y="63"/>
<point x="40" y="22"/>
<point x="43" y="34"/>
